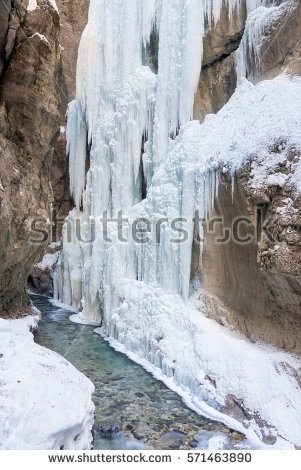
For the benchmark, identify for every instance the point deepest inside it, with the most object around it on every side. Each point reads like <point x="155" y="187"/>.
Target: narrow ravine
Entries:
<point x="132" y="409"/>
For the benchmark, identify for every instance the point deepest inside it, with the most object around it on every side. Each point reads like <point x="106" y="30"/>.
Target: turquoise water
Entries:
<point x="133" y="410"/>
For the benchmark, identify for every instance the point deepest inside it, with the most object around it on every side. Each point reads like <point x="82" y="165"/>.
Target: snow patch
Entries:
<point x="42" y="37"/>
<point x="48" y="262"/>
<point x="45" y="403"/>
<point x="33" y="5"/>
<point x="278" y="179"/>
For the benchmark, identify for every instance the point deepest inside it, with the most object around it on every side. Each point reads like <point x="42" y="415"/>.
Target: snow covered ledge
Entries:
<point x="45" y="403"/>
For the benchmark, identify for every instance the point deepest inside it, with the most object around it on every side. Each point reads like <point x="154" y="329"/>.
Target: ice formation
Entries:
<point x="130" y="104"/>
<point x="131" y="124"/>
<point x="114" y="116"/>
<point x="258" y="24"/>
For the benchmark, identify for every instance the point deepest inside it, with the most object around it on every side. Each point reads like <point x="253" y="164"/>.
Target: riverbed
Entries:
<point x="133" y="410"/>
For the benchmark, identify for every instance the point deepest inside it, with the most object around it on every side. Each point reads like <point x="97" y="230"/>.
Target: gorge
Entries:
<point x="181" y="232"/>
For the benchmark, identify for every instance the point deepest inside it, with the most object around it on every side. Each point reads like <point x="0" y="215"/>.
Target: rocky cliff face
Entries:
<point x="38" y="54"/>
<point x="29" y="127"/>
<point x="218" y="78"/>
<point x="255" y="288"/>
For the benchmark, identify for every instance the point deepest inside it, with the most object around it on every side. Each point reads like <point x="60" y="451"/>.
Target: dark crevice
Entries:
<point x="229" y="47"/>
<point x="141" y="172"/>
<point x="261" y="212"/>
<point x="150" y="53"/>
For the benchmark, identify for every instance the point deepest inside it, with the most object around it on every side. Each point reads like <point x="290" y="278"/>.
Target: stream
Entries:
<point x="133" y="410"/>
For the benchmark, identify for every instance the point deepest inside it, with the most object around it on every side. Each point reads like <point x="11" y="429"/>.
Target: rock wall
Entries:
<point x="38" y="55"/>
<point x="29" y="127"/>
<point x="218" y="78"/>
<point x="40" y="280"/>
<point x="254" y="288"/>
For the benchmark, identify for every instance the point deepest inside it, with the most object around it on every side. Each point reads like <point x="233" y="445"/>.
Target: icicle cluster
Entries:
<point x="120" y="100"/>
<point x="247" y="56"/>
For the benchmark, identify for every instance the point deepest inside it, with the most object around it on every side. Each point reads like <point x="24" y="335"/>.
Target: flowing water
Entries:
<point x="132" y="409"/>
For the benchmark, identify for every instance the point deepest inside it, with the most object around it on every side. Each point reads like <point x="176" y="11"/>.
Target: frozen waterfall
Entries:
<point x="121" y="125"/>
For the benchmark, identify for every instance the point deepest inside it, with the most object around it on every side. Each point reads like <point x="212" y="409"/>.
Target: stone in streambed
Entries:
<point x="107" y="430"/>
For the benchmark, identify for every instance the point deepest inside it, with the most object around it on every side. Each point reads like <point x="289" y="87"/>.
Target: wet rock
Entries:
<point x="108" y="431"/>
<point x="122" y="403"/>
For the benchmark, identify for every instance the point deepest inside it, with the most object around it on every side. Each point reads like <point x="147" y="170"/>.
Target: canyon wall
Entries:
<point x="29" y="127"/>
<point x="255" y="287"/>
<point x="73" y="19"/>
<point x="38" y="53"/>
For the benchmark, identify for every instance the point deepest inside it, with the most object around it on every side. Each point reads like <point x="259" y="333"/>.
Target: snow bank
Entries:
<point x="261" y="123"/>
<point x="45" y="403"/>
